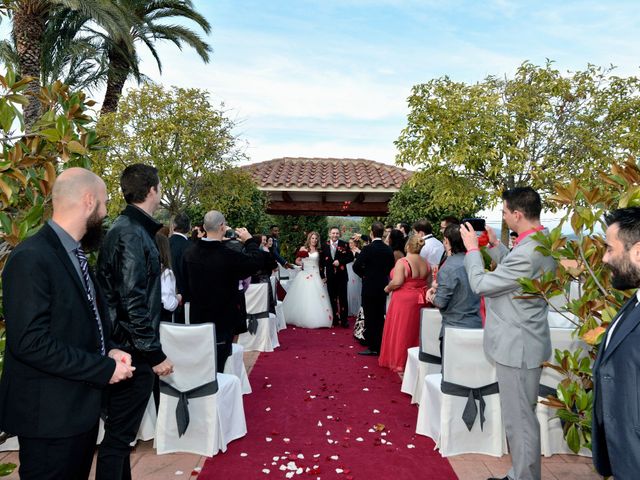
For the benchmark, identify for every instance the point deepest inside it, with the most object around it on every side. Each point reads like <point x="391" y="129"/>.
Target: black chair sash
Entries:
<point x="544" y="391"/>
<point x="470" y="411"/>
<point x="182" y="409"/>
<point x="429" y="358"/>
<point x="252" y="321"/>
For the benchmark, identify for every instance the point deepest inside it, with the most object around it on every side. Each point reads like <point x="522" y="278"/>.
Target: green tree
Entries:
<point x="422" y="197"/>
<point x="29" y="23"/>
<point x="537" y="128"/>
<point x="234" y="193"/>
<point x="177" y="130"/>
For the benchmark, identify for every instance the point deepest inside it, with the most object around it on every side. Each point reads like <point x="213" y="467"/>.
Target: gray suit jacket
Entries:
<point x="516" y="329"/>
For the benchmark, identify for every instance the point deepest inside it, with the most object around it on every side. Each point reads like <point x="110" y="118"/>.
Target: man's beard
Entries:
<point x="93" y="236"/>
<point x="625" y="275"/>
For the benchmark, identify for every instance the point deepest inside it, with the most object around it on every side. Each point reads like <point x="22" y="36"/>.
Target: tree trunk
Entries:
<point x="116" y="78"/>
<point x="28" y="29"/>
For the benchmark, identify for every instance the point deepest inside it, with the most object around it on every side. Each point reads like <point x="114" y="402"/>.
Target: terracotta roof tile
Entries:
<point x="292" y="172"/>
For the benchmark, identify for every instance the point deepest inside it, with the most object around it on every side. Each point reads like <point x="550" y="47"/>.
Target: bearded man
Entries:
<point x="59" y="355"/>
<point x="616" y="426"/>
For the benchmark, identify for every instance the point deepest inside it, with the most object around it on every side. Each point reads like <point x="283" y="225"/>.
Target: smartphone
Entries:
<point x="478" y="224"/>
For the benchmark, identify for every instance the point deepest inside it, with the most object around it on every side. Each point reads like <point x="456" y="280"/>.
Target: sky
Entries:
<point x="330" y="78"/>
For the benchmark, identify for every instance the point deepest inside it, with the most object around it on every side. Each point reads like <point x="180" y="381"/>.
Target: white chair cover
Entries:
<point x="10" y="445"/>
<point x="266" y="337"/>
<point x="280" y="318"/>
<point x="215" y="420"/>
<point x="187" y="312"/>
<point x="464" y="364"/>
<point x="235" y="366"/>
<point x="416" y="368"/>
<point x="551" y="437"/>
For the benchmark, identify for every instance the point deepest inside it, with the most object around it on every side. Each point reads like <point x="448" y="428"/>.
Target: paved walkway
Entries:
<point x="146" y="465"/>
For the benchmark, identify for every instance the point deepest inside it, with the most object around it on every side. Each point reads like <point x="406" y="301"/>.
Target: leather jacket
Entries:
<point x="129" y="274"/>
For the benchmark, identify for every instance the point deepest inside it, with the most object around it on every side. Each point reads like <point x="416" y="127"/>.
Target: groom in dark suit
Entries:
<point x="374" y="265"/>
<point x="615" y="429"/>
<point x="58" y="356"/>
<point x="333" y="267"/>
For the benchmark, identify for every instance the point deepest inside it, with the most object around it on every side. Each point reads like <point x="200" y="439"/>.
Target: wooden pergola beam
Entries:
<point x="329" y="208"/>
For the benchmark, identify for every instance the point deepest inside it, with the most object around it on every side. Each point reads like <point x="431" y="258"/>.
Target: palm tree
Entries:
<point x="29" y="22"/>
<point x="147" y="29"/>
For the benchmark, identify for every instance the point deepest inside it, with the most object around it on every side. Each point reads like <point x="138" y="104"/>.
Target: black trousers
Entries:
<point x="374" y="307"/>
<point x="337" y="290"/>
<point x="126" y="403"/>
<point x="56" y="458"/>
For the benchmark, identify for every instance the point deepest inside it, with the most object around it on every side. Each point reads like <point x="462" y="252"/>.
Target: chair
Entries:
<point x="212" y="403"/>
<point x="265" y="336"/>
<point x="468" y="376"/>
<point x="282" y="324"/>
<point x="235" y="366"/>
<point x="551" y="437"/>
<point x="425" y="359"/>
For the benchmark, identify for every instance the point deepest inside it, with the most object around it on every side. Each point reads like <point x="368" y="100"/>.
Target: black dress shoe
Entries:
<point x="496" y="478"/>
<point x="369" y="353"/>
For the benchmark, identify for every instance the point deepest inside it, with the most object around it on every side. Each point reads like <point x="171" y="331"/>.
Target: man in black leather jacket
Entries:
<point x="129" y="273"/>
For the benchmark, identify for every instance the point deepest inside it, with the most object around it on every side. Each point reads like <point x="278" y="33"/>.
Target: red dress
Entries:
<point x="402" y="324"/>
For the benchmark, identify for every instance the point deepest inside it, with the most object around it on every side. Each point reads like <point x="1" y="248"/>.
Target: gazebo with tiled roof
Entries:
<point x="327" y="186"/>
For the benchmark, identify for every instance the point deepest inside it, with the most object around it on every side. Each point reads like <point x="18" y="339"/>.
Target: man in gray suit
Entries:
<point x="516" y="333"/>
<point x="616" y="426"/>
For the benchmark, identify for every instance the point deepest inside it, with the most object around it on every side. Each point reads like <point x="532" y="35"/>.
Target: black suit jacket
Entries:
<point x="343" y="255"/>
<point x="374" y="264"/>
<point x="178" y="245"/>
<point x="616" y="375"/>
<point x="53" y="376"/>
<point x="212" y="273"/>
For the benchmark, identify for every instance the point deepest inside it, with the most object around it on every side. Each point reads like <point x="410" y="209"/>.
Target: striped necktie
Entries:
<point x="84" y="268"/>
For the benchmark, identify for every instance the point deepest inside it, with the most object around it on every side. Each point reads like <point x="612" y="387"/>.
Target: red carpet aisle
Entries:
<point x="318" y="410"/>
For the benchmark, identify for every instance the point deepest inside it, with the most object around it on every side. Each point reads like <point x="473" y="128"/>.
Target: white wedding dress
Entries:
<point x="307" y="301"/>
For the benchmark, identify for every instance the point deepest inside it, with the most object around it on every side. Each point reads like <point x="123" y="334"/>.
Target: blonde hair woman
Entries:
<point x="402" y="325"/>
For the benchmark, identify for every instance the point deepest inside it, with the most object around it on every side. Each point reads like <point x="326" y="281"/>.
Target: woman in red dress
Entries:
<point x="402" y="325"/>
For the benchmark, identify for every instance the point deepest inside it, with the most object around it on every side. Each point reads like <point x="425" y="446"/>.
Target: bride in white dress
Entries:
<point x="307" y="301"/>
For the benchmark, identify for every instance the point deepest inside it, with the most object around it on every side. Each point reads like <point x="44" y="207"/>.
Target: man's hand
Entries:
<point x="120" y="356"/>
<point x="288" y="265"/>
<point x="336" y="263"/>
<point x="164" y="368"/>
<point x="469" y="236"/>
<point x="431" y="294"/>
<point x="243" y="234"/>
<point x="493" y="238"/>
<point x="122" y="371"/>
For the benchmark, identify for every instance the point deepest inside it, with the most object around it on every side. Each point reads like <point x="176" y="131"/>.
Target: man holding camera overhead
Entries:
<point x="516" y="332"/>
<point x="212" y="271"/>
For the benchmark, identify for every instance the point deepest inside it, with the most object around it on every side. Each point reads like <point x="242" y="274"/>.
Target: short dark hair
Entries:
<point x="423" y="225"/>
<point x="181" y="223"/>
<point x="397" y="240"/>
<point x="404" y="226"/>
<point x="452" y="234"/>
<point x="628" y="221"/>
<point x="331" y="228"/>
<point x="524" y="199"/>
<point x="377" y="229"/>
<point x="273" y="226"/>
<point x="136" y="181"/>
<point x="451" y="220"/>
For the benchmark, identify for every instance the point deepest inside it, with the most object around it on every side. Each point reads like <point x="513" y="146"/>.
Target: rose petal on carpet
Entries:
<point x="319" y="410"/>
